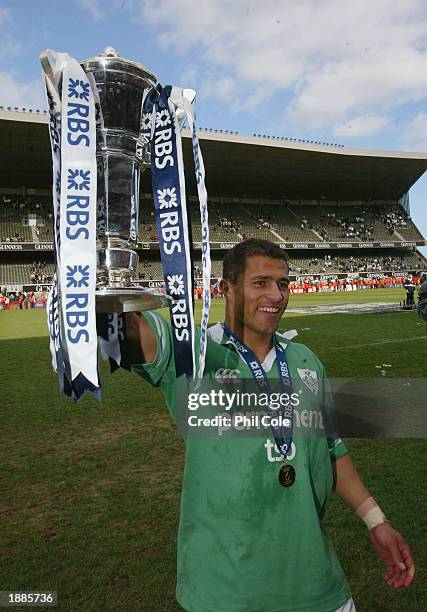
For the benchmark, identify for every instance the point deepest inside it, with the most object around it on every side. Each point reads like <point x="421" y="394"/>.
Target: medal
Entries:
<point x="282" y="433"/>
<point x="287" y="475"/>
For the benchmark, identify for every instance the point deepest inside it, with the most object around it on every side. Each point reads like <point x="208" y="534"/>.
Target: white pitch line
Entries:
<point x="351" y="346"/>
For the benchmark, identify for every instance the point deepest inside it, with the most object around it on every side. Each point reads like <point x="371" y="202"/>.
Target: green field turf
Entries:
<point x="89" y="498"/>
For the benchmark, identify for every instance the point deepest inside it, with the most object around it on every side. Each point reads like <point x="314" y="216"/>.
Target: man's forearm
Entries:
<point x="349" y="485"/>
<point x="141" y="344"/>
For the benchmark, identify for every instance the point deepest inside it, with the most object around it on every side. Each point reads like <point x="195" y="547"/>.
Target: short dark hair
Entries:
<point x="235" y="260"/>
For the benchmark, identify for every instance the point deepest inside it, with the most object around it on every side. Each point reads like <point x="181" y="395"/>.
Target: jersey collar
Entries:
<point x="216" y="332"/>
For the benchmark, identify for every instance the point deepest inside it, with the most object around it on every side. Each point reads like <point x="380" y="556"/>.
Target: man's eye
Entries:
<point x="260" y="283"/>
<point x="283" y="286"/>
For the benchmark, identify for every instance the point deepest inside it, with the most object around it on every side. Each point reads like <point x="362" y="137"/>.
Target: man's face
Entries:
<point x="259" y="298"/>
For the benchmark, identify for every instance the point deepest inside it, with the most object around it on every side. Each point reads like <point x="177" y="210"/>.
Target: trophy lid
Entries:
<point x="110" y="60"/>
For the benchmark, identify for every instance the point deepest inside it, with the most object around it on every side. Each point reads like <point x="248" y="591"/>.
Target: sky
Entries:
<point x="352" y="72"/>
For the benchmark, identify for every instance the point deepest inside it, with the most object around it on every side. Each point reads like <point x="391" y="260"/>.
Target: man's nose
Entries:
<point x="275" y="293"/>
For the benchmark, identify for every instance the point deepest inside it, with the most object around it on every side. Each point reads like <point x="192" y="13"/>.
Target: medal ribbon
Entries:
<point x="283" y="434"/>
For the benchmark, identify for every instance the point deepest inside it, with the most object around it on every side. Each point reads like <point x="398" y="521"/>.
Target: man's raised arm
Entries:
<point x="140" y="342"/>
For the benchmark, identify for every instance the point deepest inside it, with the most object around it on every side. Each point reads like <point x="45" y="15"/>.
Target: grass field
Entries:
<point x="89" y="500"/>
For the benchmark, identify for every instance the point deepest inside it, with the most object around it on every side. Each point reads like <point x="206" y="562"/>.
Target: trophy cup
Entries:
<point x="109" y="119"/>
<point x="121" y="157"/>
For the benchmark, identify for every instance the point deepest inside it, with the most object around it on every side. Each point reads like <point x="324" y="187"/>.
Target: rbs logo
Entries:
<point x="163" y="140"/>
<point x="78" y="124"/>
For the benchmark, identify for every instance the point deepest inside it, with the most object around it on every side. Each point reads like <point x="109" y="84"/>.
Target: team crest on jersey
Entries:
<point x="309" y="378"/>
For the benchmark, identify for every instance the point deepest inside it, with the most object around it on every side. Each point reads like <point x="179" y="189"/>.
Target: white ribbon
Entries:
<point x="184" y="99"/>
<point x="78" y="222"/>
<point x="53" y="64"/>
<point x="110" y="346"/>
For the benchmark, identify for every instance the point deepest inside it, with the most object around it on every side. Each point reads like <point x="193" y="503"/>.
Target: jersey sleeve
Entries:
<point x="161" y="371"/>
<point x="337" y="448"/>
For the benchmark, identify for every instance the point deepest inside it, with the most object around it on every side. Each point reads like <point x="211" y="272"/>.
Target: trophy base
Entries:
<point x="129" y="299"/>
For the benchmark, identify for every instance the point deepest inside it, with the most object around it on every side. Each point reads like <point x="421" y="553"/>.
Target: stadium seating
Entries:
<point x="295" y="221"/>
<point x="45" y="233"/>
<point x="391" y="262"/>
<point x="381" y="263"/>
<point x="147" y="223"/>
<point x="17" y="273"/>
<point x="233" y="219"/>
<point x="13" y="228"/>
<point x="283" y="221"/>
<point x="15" y="215"/>
<point x="150" y="270"/>
<point x="356" y="221"/>
<point x="410" y="233"/>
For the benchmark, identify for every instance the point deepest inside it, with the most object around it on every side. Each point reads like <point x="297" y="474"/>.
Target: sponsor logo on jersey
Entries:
<point x="227" y="375"/>
<point x="273" y="453"/>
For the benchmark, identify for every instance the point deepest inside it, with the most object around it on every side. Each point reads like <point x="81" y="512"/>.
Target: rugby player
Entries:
<point x="246" y="543"/>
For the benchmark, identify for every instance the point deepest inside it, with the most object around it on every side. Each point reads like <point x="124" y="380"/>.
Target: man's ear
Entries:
<point x="224" y="286"/>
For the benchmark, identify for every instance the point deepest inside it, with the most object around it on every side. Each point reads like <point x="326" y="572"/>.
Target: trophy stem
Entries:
<point x="116" y="263"/>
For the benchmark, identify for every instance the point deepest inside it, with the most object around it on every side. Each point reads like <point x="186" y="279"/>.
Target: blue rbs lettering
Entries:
<point x="77" y="217"/>
<point x="78" y="124"/>
<point x="77" y="317"/>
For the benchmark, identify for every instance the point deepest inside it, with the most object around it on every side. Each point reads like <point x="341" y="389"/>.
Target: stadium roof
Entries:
<point x="236" y="165"/>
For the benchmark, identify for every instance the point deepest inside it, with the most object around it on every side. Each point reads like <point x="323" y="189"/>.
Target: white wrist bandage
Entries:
<point x="370" y="513"/>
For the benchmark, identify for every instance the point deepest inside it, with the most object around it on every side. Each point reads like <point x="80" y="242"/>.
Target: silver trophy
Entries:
<point x="121" y="157"/>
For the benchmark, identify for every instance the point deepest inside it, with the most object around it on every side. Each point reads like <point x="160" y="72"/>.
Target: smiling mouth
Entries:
<point x="269" y="309"/>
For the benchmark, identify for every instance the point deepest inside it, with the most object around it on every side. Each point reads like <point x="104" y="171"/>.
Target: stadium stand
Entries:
<point x="337" y="210"/>
<point x="232" y="221"/>
<point x="400" y="261"/>
<point x="147" y="223"/>
<point x="330" y="264"/>
<point x="25" y="219"/>
<point x="292" y="221"/>
<point x="17" y="273"/>
<point x="13" y="228"/>
<point x="356" y="221"/>
<point x="150" y="270"/>
<point x="283" y="221"/>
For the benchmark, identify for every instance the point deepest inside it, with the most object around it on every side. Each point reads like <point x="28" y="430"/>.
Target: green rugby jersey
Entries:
<point x="245" y="543"/>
